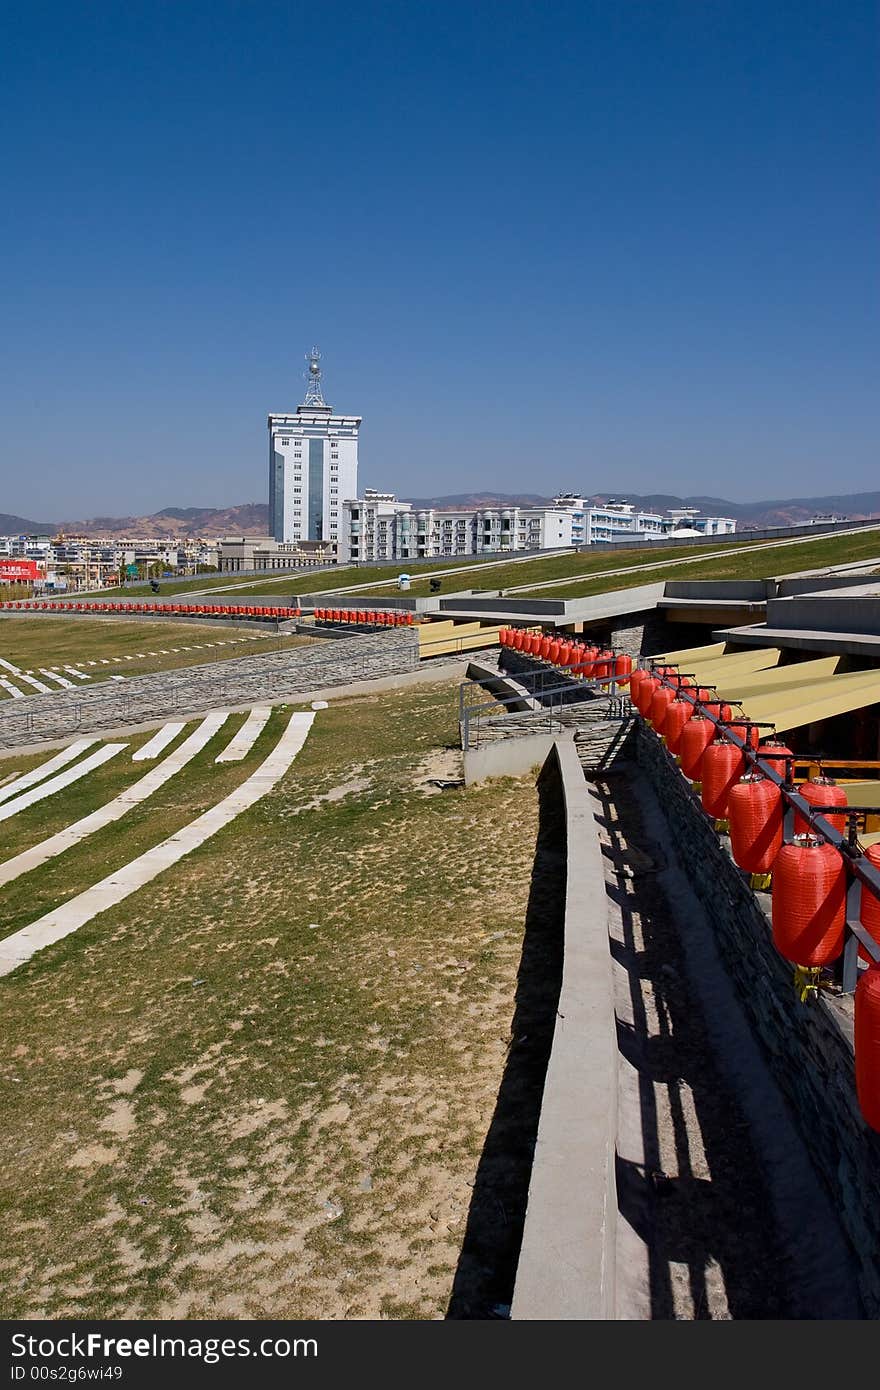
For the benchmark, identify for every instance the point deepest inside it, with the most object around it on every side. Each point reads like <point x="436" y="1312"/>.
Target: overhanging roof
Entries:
<point x="810" y="701"/>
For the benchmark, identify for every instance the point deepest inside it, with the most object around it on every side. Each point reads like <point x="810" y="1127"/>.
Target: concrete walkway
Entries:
<point x="247" y="735"/>
<point x="54" y="926"/>
<point x="112" y="810"/>
<point x="64" y="779"/>
<point x="39" y="774"/>
<point x="59" y="680"/>
<point x="158" y="742"/>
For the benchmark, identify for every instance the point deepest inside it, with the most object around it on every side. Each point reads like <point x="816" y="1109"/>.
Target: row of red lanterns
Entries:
<point x="365" y="616"/>
<point x="809" y="879"/>
<point x="155" y="610"/>
<point x="591" y="662"/>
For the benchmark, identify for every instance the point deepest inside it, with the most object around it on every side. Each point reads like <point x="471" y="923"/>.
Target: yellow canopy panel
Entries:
<point x="691" y="654"/>
<point x="737" y="664"/>
<point x="859" y="793"/>
<point x="791" y="678"/>
<point x="463" y="638"/>
<point x="814" y="700"/>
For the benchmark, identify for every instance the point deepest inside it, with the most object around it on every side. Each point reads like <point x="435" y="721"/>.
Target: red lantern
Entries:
<point x="661" y="699"/>
<point x="677" y="716"/>
<point x="867" y="1045"/>
<point x="745" y="731"/>
<point x="718" y="709"/>
<point x="773" y="752"/>
<point x="645" y="694"/>
<point x="635" y="681"/>
<point x="809" y="902"/>
<point x="821" y="791"/>
<point x="870" y="909"/>
<point x="755" y="812"/>
<point x="723" y="766"/>
<point x="696" y="736"/>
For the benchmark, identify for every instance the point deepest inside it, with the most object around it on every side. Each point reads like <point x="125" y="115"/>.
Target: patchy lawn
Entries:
<point x="261" y="1085"/>
<point x="139" y="648"/>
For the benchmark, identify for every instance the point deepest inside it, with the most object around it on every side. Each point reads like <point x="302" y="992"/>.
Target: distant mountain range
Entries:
<point x="252" y="518"/>
<point x="249" y="519"/>
<point x="784" y="512"/>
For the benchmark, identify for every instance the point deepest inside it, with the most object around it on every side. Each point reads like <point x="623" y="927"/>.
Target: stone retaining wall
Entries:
<point x="273" y="676"/>
<point x="808" y="1046"/>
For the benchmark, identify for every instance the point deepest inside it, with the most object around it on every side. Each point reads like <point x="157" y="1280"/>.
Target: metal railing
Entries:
<point x="860" y="871"/>
<point x="543" y="685"/>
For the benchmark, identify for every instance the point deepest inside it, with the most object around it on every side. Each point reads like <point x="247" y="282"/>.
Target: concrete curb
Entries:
<point x="567" y="1259"/>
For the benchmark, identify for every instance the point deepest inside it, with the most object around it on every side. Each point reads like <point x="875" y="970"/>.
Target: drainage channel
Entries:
<point x="721" y="1213"/>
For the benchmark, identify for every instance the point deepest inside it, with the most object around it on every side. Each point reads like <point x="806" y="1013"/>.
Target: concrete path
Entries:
<point x="24" y="676"/>
<point x="64" y="779"/>
<point x="38" y="774"/>
<point x="80" y="675"/>
<point x="247" y="735"/>
<point x="158" y="742"/>
<point x="13" y="690"/>
<point x="54" y="926"/>
<point x="112" y="810"/>
<point x="61" y="680"/>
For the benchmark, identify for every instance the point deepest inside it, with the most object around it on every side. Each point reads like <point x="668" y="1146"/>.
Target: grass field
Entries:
<point x="260" y="1086"/>
<point x="296" y="581"/>
<point x="746" y="564"/>
<point x="31" y="643"/>
<point x="600" y="570"/>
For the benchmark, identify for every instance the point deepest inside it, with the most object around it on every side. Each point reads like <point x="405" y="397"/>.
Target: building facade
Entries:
<point x="313" y="463"/>
<point x="379" y="527"/>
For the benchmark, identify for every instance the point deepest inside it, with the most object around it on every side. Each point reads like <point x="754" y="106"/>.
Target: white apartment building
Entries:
<point x="621" y="521"/>
<point x="379" y="527"/>
<point x="313" y="462"/>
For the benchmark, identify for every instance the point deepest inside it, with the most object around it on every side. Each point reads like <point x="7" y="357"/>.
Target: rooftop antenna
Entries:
<point x="314" y="394"/>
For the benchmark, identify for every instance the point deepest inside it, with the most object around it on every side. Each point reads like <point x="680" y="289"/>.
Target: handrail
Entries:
<point x="856" y="863"/>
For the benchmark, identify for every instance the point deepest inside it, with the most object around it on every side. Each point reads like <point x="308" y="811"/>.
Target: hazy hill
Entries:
<point x="252" y="518"/>
<point x="786" y="512"/>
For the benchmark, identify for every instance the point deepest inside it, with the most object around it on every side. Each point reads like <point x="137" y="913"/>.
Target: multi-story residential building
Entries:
<point x="594" y="524"/>
<point x="379" y="527"/>
<point x="313" y="462"/>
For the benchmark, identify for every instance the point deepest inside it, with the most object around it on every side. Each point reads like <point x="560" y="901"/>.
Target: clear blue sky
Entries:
<point x="626" y="244"/>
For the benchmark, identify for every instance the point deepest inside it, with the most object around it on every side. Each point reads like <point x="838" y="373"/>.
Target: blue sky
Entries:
<point x="606" y="244"/>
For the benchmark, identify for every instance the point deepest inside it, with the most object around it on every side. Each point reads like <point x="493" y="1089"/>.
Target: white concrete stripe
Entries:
<point x="112" y="810"/>
<point x="247" y="735"/>
<point x="161" y="738"/>
<point x="53" y="676"/>
<point x="13" y="690"/>
<point x="80" y="675"/>
<point x="37" y="774"/>
<point x="32" y="680"/>
<point x="64" y="779"/>
<point x="54" y="926"/>
<point x="8" y="666"/>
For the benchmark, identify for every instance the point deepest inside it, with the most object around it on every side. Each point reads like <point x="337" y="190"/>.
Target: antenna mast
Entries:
<point x="314" y="393"/>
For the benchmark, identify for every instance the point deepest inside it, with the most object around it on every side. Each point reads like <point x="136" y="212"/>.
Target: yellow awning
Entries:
<point x="691" y="654"/>
<point x="736" y="664"/>
<point x="813" y="700"/>
<point x="779" y="678"/>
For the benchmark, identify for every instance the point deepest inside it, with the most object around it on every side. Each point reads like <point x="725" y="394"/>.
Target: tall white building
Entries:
<point x="313" y="461"/>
